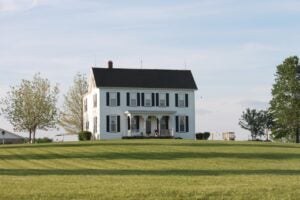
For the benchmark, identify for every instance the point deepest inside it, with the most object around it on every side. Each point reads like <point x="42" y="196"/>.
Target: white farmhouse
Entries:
<point x="140" y="102"/>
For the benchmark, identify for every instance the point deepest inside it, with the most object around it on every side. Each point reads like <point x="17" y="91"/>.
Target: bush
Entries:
<point x="43" y="140"/>
<point x="84" y="135"/>
<point x="202" y="136"/>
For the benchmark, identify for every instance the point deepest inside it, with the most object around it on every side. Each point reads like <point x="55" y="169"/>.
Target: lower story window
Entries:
<point x="113" y="124"/>
<point x="182" y="124"/>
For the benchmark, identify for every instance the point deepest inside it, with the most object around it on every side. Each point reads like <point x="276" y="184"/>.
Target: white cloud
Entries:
<point x="18" y="5"/>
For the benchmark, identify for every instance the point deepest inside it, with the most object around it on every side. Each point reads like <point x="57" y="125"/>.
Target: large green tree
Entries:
<point x="253" y="121"/>
<point x="285" y="103"/>
<point x="31" y="106"/>
<point x="72" y="115"/>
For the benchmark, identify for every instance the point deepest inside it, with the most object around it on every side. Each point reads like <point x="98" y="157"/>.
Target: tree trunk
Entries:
<point x="33" y="138"/>
<point x="30" y="136"/>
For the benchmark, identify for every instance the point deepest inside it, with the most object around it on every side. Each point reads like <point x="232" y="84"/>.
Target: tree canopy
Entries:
<point x="71" y="118"/>
<point x="31" y="106"/>
<point x="285" y="103"/>
<point x="253" y="121"/>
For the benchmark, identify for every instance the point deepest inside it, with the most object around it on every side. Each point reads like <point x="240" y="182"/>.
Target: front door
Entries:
<point x="148" y="126"/>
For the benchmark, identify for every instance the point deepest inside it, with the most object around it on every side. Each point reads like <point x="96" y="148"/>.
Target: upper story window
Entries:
<point x="162" y="100"/>
<point x="113" y="98"/>
<point x="181" y="100"/>
<point x="95" y="100"/>
<point x="133" y="99"/>
<point x="148" y="99"/>
<point x="85" y="104"/>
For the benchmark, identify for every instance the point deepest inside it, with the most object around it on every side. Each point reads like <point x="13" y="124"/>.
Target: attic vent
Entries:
<point x="110" y="64"/>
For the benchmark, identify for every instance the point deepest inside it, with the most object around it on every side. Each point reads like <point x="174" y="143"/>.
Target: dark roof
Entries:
<point x="144" y="78"/>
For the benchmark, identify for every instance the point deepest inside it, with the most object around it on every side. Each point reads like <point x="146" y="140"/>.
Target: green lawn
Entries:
<point x="150" y="169"/>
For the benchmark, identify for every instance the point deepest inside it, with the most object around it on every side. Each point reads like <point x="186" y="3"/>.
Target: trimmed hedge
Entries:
<point x="84" y="135"/>
<point x="43" y="140"/>
<point x="202" y="136"/>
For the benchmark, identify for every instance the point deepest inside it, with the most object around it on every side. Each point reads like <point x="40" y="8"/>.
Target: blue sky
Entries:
<point x="232" y="47"/>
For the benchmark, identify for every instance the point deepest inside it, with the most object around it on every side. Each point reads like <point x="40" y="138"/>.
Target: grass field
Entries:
<point x="150" y="169"/>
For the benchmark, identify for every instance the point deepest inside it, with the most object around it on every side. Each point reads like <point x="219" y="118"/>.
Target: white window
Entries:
<point x="95" y="125"/>
<point x="182" y="124"/>
<point x="133" y="99"/>
<point x="181" y="100"/>
<point x="162" y="100"/>
<point x="85" y="105"/>
<point x="95" y="100"/>
<point x="113" y="99"/>
<point x="148" y="99"/>
<point x="113" y="123"/>
<point x="87" y="125"/>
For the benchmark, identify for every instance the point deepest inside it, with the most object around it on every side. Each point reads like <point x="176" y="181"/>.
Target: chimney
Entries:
<point x="110" y="64"/>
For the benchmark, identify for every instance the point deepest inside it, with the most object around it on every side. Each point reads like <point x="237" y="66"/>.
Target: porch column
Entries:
<point x="145" y="117"/>
<point x="158" y="123"/>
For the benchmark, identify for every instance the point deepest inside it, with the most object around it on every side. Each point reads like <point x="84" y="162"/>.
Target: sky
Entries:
<point x="231" y="46"/>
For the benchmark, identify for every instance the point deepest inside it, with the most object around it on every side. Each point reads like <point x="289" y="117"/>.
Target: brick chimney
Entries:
<point x="110" y="64"/>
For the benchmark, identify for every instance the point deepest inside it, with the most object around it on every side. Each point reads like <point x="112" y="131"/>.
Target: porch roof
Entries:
<point x="148" y="112"/>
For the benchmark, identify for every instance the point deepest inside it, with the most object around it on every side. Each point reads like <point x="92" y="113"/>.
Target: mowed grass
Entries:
<point x="150" y="169"/>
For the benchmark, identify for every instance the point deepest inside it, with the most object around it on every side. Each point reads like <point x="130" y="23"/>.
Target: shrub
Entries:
<point x="202" y="136"/>
<point x="43" y="140"/>
<point x="84" y="135"/>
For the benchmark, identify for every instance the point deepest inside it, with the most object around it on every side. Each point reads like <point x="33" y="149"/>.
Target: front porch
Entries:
<point x="149" y="124"/>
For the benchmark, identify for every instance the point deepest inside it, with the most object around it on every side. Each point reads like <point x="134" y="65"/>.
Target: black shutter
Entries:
<point x="157" y="124"/>
<point x="107" y="123"/>
<point x="107" y="98"/>
<point x="186" y="100"/>
<point x="128" y="122"/>
<point x="177" y="124"/>
<point x="157" y="99"/>
<point x="187" y="123"/>
<point x="167" y="122"/>
<point x="128" y="98"/>
<point x="138" y="99"/>
<point x="176" y="100"/>
<point x="167" y="99"/>
<point x="119" y="121"/>
<point x="138" y="122"/>
<point x="153" y="100"/>
<point x="118" y="98"/>
<point x="143" y="99"/>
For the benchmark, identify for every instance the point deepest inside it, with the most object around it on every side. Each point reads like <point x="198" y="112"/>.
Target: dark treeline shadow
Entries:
<point x="130" y="172"/>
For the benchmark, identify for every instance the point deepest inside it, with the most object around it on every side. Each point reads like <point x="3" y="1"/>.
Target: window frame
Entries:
<point x="162" y="98"/>
<point x="181" y="99"/>
<point x="113" y="118"/>
<point x="95" y="100"/>
<point x="111" y="99"/>
<point x="146" y="95"/>
<point x="180" y="117"/>
<point x="95" y="127"/>
<point x="132" y="94"/>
